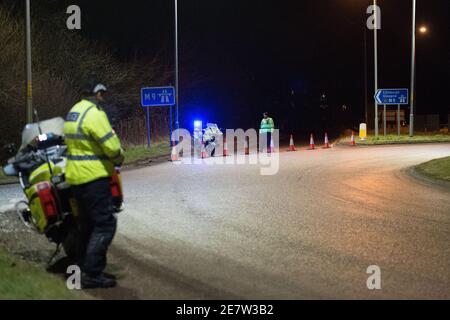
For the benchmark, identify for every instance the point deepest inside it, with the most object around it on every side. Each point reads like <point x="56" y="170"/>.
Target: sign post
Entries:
<point x="171" y="122"/>
<point x="387" y="97"/>
<point x="157" y="97"/>
<point x="398" y="121"/>
<point x="148" y="127"/>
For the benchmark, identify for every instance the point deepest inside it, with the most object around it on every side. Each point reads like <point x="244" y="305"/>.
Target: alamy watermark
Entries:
<point x="374" y="20"/>
<point x="73" y="22"/>
<point x="374" y="280"/>
<point x="269" y="162"/>
<point x="73" y="281"/>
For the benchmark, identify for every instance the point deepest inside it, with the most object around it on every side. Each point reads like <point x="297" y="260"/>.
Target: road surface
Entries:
<point x="310" y="231"/>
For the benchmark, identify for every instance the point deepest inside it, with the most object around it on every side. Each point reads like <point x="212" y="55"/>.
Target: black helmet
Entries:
<point x="92" y="87"/>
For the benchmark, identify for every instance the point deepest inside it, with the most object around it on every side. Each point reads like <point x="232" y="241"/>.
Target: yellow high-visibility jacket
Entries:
<point x="267" y="125"/>
<point x="93" y="147"/>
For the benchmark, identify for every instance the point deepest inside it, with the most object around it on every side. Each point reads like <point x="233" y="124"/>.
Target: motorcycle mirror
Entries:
<point x="9" y="170"/>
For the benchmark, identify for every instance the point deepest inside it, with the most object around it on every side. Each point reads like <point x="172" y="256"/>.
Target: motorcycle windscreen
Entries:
<point x="31" y="130"/>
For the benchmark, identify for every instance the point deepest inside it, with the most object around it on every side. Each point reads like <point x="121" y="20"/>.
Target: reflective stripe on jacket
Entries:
<point x="93" y="147"/>
<point x="267" y="125"/>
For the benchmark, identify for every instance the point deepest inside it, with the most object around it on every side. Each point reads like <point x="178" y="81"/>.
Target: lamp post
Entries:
<point x="29" y="87"/>
<point x="177" y="123"/>
<point x="413" y="67"/>
<point x="375" y="40"/>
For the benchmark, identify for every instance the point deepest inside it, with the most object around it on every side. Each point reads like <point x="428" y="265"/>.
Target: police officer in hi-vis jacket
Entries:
<point x="94" y="151"/>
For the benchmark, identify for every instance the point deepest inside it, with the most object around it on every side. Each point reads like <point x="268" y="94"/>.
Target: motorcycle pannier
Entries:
<point x="43" y="205"/>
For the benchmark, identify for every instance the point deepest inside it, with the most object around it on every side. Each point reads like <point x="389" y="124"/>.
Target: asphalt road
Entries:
<point x="310" y="231"/>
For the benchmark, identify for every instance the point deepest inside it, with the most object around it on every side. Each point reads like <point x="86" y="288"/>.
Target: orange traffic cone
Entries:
<point x="353" y="141"/>
<point x="225" y="147"/>
<point x="203" y="152"/>
<point x="246" y="146"/>
<point x="291" y="144"/>
<point x="312" y="146"/>
<point x="174" y="153"/>
<point x="326" y="144"/>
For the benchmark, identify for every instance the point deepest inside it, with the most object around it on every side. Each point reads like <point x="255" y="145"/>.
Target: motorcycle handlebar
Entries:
<point x="23" y="158"/>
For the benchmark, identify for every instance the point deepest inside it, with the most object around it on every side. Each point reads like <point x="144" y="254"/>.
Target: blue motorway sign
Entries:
<point x="158" y="96"/>
<point x="392" y="96"/>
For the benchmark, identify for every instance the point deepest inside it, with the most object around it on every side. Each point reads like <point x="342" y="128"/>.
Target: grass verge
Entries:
<point x="403" y="139"/>
<point x="134" y="154"/>
<point x="21" y="280"/>
<point x="437" y="169"/>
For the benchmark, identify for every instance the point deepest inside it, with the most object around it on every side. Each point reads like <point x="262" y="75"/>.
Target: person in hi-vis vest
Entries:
<point x="267" y="128"/>
<point x="94" y="150"/>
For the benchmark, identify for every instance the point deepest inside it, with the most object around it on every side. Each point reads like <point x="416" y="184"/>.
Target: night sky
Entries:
<point x="280" y="56"/>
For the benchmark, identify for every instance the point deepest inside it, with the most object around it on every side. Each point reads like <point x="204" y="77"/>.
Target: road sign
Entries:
<point x="392" y="96"/>
<point x="158" y="97"/>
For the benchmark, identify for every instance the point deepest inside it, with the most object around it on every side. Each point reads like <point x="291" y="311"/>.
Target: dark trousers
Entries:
<point x="269" y="141"/>
<point x="268" y="137"/>
<point x="96" y="224"/>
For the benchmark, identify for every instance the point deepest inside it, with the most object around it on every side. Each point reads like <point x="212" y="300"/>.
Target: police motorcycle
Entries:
<point x="207" y="139"/>
<point x="50" y="207"/>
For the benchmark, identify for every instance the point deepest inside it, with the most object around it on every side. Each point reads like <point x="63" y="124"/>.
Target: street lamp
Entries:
<point x="177" y="123"/>
<point x="29" y="88"/>
<point x="375" y="38"/>
<point x="413" y="67"/>
<point x="422" y="30"/>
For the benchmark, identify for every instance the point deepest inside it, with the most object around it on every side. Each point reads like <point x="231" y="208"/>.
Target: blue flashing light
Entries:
<point x="198" y="124"/>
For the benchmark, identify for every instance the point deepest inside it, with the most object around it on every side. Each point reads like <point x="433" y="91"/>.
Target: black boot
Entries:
<point x="109" y="276"/>
<point x="99" y="281"/>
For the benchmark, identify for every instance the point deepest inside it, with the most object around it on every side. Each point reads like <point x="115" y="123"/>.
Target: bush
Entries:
<point x="62" y="61"/>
